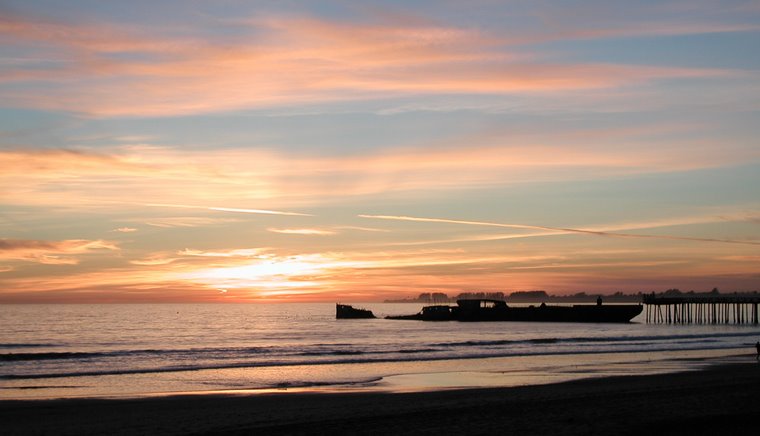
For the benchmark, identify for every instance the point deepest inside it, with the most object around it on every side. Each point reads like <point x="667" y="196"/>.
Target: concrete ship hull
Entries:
<point x="495" y="310"/>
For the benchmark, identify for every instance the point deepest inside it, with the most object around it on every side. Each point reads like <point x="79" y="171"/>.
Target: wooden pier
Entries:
<point x="701" y="310"/>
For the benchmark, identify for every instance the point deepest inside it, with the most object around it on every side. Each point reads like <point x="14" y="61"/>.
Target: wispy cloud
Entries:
<point x="238" y="252"/>
<point x="293" y="60"/>
<point x="187" y="221"/>
<point x="363" y="229"/>
<point x="596" y="265"/>
<point x="125" y="230"/>
<point x="229" y="209"/>
<point x="317" y="232"/>
<point x="193" y="258"/>
<point x="742" y="258"/>
<point x="51" y="252"/>
<point x="600" y="25"/>
<point x="259" y="273"/>
<point x="216" y="181"/>
<point x="155" y="259"/>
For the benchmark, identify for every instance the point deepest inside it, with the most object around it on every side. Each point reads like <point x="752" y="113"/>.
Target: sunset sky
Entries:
<point x="357" y="151"/>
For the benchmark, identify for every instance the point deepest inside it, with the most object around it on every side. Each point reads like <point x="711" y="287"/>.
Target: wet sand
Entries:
<point x="719" y="400"/>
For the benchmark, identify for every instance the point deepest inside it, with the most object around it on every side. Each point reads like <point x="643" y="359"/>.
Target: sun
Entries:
<point x="300" y="271"/>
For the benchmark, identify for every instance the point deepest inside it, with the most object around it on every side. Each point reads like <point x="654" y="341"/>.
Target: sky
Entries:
<point x="268" y="151"/>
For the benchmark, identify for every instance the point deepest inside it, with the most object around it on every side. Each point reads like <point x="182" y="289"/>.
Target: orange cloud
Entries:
<point x="239" y="252"/>
<point x="155" y="259"/>
<point x="219" y="180"/>
<point x="187" y="221"/>
<point x="50" y="252"/>
<point x="230" y="209"/>
<point x="250" y="274"/>
<point x="598" y="265"/>
<point x="363" y="229"/>
<point x="289" y="61"/>
<point x="317" y="232"/>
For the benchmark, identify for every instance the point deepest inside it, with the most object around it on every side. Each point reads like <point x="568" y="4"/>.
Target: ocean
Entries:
<point x="126" y="350"/>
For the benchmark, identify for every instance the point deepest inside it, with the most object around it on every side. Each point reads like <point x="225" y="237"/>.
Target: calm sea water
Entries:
<point x="116" y="350"/>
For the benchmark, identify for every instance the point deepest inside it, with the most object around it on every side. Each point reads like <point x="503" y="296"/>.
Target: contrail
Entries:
<point x="442" y="220"/>
<point x="557" y="229"/>
<point x="228" y="209"/>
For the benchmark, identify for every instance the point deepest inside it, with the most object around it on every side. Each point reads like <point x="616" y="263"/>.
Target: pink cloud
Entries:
<point x="289" y="61"/>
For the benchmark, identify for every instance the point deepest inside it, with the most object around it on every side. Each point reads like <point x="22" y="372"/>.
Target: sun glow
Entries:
<point x="300" y="271"/>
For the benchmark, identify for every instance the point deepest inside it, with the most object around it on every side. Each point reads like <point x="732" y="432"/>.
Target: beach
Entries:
<point x="717" y="400"/>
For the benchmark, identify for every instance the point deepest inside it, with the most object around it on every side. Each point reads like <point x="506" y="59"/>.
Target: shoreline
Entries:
<point x="712" y="400"/>
<point x="378" y="377"/>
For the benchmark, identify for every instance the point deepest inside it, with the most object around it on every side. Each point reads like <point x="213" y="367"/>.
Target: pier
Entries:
<point x="723" y="309"/>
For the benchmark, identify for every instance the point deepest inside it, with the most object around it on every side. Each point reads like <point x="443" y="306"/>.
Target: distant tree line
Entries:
<point x="543" y="296"/>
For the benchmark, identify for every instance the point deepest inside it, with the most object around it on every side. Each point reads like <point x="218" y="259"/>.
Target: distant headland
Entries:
<point x="543" y="296"/>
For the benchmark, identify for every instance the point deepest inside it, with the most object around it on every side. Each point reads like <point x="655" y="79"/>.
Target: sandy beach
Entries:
<point x="719" y="400"/>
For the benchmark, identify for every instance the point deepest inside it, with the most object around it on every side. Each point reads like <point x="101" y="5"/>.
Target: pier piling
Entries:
<point x="702" y="310"/>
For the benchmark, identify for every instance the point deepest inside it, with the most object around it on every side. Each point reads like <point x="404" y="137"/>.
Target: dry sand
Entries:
<point x="720" y="400"/>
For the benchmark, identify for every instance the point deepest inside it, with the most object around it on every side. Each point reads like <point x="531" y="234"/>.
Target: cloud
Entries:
<point x="217" y="180"/>
<point x="264" y="273"/>
<point x="125" y="230"/>
<point x="187" y="221"/>
<point x="592" y="26"/>
<point x="155" y="260"/>
<point x="738" y="258"/>
<point x="65" y="246"/>
<point x="238" y="252"/>
<point x="257" y="211"/>
<point x="51" y="252"/>
<point x="597" y="265"/>
<point x="189" y="257"/>
<point x="320" y="273"/>
<point x="363" y="229"/>
<point x="289" y="61"/>
<point x="317" y="232"/>
<point x="230" y="209"/>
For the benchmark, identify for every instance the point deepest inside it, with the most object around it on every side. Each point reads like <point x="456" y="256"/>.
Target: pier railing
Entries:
<point x="723" y="309"/>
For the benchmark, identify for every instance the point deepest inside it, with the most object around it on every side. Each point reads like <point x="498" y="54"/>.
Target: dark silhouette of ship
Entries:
<point x="345" y="311"/>
<point x="498" y="310"/>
